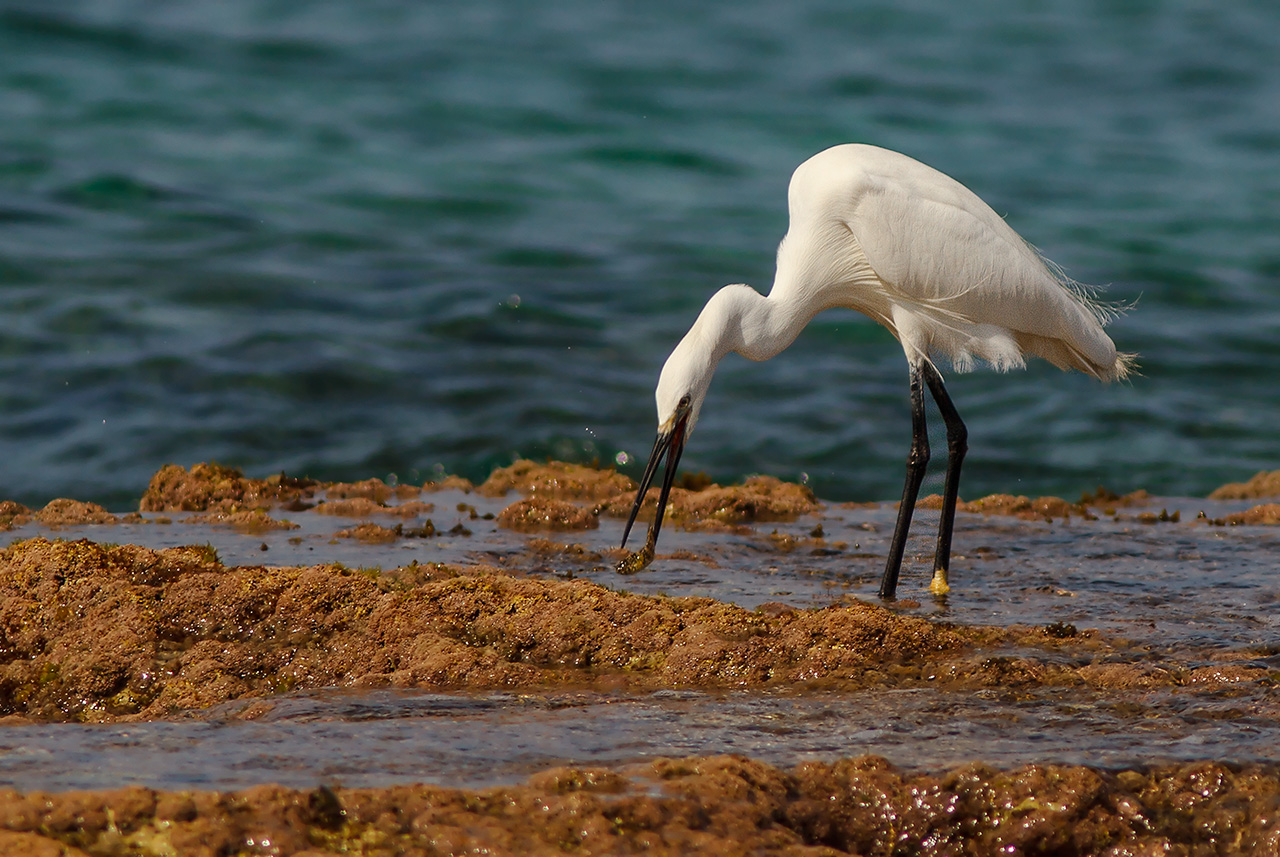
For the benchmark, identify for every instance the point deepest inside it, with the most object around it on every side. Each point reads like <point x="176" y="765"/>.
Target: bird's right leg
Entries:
<point x="957" y="446"/>
<point x="917" y="461"/>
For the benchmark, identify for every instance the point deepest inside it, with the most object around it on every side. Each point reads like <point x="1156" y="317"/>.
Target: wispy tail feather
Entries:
<point x="1126" y="365"/>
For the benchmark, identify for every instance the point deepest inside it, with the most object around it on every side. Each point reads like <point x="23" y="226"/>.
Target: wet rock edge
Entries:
<point x="717" y="804"/>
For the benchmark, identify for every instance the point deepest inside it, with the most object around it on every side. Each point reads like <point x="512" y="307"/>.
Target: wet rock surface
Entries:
<point x="1115" y="615"/>
<point x="246" y="520"/>
<point x="1267" y="513"/>
<point x="64" y="512"/>
<point x="213" y="487"/>
<point x="13" y="514"/>
<point x="711" y="805"/>
<point x="537" y="513"/>
<point x="760" y="498"/>
<point x="556" y="480"/>
<point x="97" y="633"/>
<point x="1263" y="484"/>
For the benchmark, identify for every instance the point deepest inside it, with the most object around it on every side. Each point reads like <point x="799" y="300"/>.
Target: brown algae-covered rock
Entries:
<point x="372" y="489"/>
<point x="1263" y="484"/>
<point x="411" y="509"/>
<point x="546" y="549"/>
<point x="77" y="626"/>
<point x="13" y="514"/>
<point x="1226" y="674"/>
<point x="245" y="521"/>
<point x="1267" y="513"/>
<point x="538" y="513"/>
<point x="368" y="533"/>
<point x="364" y="507"/>
<point x="450" y="483"/>
<point x="212" y="487"/>
<point x="355" y="507"/>
<point x="1105" y="498"/>
<point x="556" y="480"/>
<point x="698" y="805"/>
<point x="1039" y="509"/>
<point x="1047" y="508"/>
<point x="65" y="513"/>
<point x="760" y="498"/>
<point x="96" y="633"/>
<point x="1126" y="676"/>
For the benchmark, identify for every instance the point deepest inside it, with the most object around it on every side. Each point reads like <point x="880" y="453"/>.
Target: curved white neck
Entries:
<point x="738" y="318"/>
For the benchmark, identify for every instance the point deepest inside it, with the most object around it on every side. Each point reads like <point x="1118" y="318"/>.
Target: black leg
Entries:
<point x="917" y="461"/>
<point x="957" y="446"/>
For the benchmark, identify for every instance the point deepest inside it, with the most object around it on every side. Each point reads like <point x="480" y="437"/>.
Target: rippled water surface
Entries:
<point x="385" y="738"/>
<point x="350" y="239"/>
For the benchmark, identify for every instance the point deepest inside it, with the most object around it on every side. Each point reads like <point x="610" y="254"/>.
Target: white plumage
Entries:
<point x="915" y="250"/>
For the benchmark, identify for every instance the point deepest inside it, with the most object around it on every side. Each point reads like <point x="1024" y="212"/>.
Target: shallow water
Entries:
<point x="1185" y="594"/>
<point x="382" y="738"/>
<point x="1172" y="584"/>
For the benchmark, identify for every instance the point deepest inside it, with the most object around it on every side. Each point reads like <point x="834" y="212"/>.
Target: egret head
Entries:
<point x="685" y="379"/>
<point x="681" y="390"/>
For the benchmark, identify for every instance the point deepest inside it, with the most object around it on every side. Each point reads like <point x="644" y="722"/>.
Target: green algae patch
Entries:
<point x="696" y="805"/>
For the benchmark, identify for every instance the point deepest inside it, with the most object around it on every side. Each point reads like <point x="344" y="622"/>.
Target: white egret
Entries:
<point x="881" y="233"/>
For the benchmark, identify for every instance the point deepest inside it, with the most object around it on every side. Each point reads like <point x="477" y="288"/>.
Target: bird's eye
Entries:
<point x="684" y="402"/>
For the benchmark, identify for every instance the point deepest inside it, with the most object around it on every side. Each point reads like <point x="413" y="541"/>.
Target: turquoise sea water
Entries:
<point x="350" y="239"/>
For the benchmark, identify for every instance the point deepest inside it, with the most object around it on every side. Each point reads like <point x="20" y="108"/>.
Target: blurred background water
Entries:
<point x="351" y="239"/>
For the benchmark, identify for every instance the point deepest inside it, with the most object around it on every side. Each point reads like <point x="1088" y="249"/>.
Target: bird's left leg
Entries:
<point x="957" y="446"/>
<point x="917" y="461"/>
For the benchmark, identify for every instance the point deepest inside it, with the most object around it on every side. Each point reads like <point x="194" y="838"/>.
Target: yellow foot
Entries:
<point x="939" y="585"/>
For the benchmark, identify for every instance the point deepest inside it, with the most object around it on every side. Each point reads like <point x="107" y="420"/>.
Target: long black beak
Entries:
<point x="671" y="444"/>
